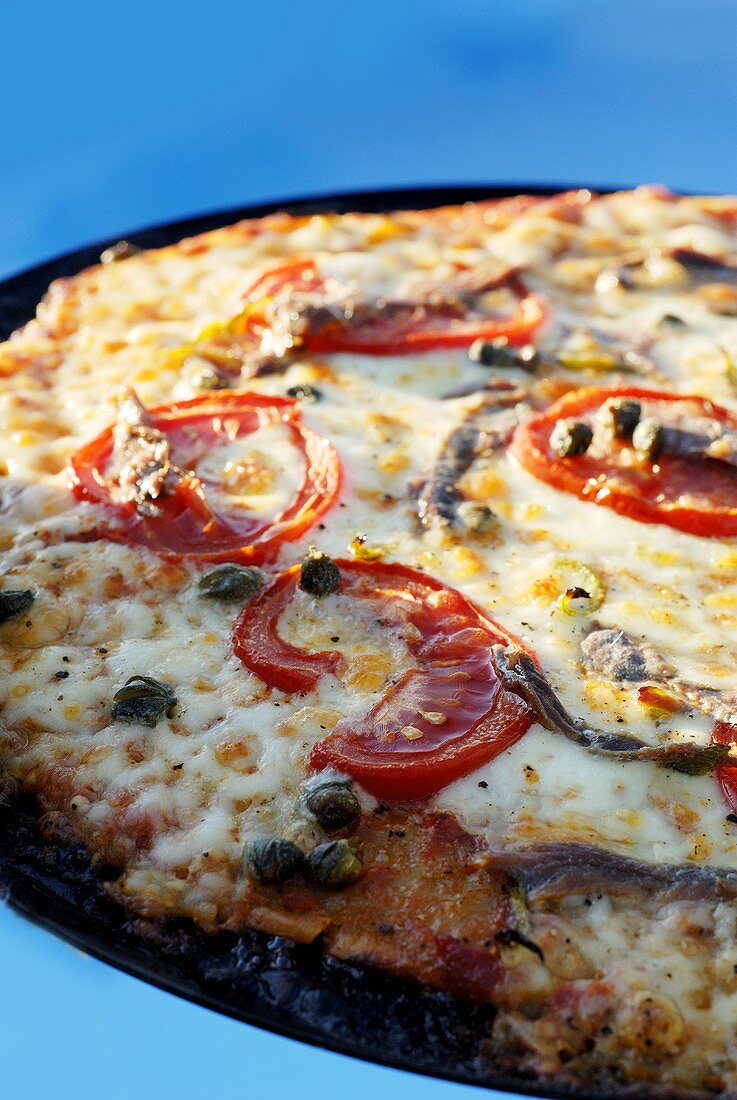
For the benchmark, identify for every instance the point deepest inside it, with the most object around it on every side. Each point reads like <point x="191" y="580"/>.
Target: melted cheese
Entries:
<point x="180" y="799"/>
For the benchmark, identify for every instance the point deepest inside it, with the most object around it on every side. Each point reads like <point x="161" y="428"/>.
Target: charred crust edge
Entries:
<point x="268" y="981"/>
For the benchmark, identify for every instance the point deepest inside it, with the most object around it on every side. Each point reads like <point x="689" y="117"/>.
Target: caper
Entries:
<point x="231" y="582"/>
<point x="672" y="319"/>
<point x="120" y="251"/>
<point x="272" y="859"/>
<point x="13" y="601"/>
<point x="499" y="353"/>
<point x="202" y="375"/>
<point x="319" y="575"/>
<point x="476" y="518"/>
<point x="308" y="395"/>
<point x="570" y="438"/>
<point x="143" y="701"/>
<point x="620" y="416"/>
<point x="333" y="864"/>
<point x="333" y="804"/>
<point x="648" y="439"/>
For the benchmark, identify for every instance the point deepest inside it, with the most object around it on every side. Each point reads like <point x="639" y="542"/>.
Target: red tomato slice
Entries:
<point x="444" y="717"/>
<point x="693" y="494"/>
<point x="189" y="522"/>
<point x="294" y="276"/>
<point x="726" y="774"/>
<point x="407" y="330"/>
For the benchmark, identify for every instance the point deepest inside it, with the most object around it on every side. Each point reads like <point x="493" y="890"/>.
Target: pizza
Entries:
<point x="370" y="581"/>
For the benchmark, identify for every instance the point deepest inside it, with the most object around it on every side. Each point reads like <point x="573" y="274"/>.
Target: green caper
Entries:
<point x="13" y="601"/>
<point x="476" y="518"/>
<point x="648" y="439"/>
<point x="570" y="438"/>
<point x="308" y="395"/>
<point x="498" y="353"/>
<point x="120" y="251"/>
<point x="143" y="701"/>
<point x="620" y="416"/>
<point x="319" y="575"/>
<point x="231" y="582"/>
<point x="202" y="375"/>
<point x="333" y="864"/>
<point x="333" y="804"/>
<point x="272" y="859"/>
<point x="672" y="319"/>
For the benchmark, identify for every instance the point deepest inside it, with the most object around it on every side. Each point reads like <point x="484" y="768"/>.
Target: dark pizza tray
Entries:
<point x="265" y="981"/>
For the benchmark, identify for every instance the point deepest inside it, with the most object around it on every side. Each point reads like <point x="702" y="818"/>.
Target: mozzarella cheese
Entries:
<point x="175" y="803"/>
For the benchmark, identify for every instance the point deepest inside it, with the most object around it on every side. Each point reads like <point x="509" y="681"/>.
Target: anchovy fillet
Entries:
<point x="552" y="871"/>
<point x="703" y="268"/>
<point x="486" y="429"/>
<point x="614" y="655"/>
<point x="522" y="677"/>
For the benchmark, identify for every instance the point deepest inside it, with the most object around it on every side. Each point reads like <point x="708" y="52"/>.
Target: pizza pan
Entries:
<point x="265" y="981"/>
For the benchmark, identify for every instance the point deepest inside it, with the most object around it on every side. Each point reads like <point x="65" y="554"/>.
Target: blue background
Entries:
<point x="119" y="115"/>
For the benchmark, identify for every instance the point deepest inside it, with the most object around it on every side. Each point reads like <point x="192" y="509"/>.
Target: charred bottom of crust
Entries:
<point x="267" y="980"/>
<point x="295" y="989"/>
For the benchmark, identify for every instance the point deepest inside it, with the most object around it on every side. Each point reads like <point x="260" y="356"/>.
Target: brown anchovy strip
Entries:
<point x="703" y="268"/>
<point x="614" y="655"/>
<point x="141" y="456"/>
<point x="631" y="355"/>
<point x="522" y="677"/>
<point x="546" y="360"/>
<point x="701" y="437"/>
<point x="297" y="316"/>
<point x="490" y="384"/>
<point x="486" y="429"/>
<point x="551" y="871"/>
<point x="452" y="298"/>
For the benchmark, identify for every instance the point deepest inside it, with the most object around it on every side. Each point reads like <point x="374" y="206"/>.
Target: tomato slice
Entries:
<point x="398" y="328"/>
<point x="294" y="276"/>
<point x="689" y="492"/>
<point x="193" y="520"/>
<point x="442" y="719"/>
<point x="726" y="774"/>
